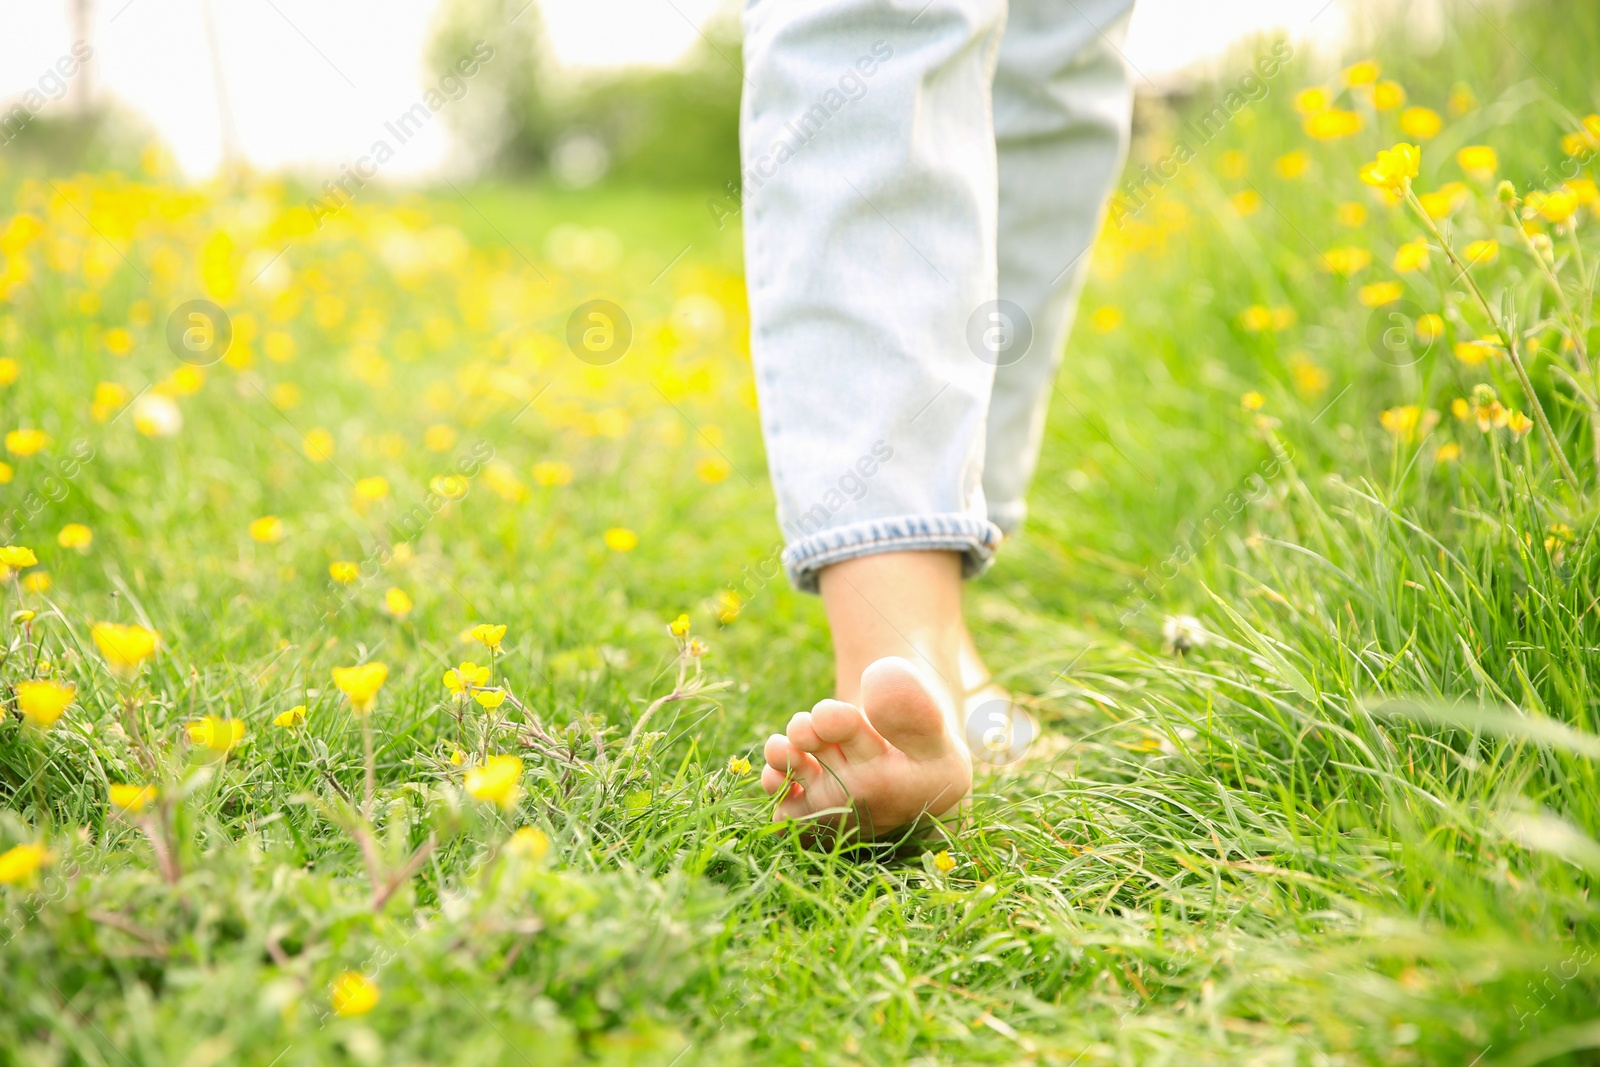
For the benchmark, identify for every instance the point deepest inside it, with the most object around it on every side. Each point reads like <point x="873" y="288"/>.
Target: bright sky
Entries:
<point x="312" y="82"/>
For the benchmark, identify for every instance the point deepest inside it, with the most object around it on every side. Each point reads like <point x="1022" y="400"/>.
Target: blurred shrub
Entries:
<point x="677" y="126"/>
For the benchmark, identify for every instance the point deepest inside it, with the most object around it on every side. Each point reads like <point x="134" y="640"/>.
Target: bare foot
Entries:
<point x="878" y="768"/>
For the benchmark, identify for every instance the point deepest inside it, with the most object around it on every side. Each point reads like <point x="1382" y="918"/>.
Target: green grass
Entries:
<point x="1357" y="825"/>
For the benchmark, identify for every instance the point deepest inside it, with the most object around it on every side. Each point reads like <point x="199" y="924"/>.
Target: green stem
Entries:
<point x="1506" y="338"/>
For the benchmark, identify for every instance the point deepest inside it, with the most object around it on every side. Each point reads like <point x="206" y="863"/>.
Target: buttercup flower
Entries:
<point x="268" y="529"/>
<point x="1364" y="72"/>
<point x="42" y="702"/>
<point x="1346" y="261"/>
<point x="216" y="733"/>
<point x="130" y="799"/>
<point x="1411" y="256"/>
<point x="679" y="626"/>
<point x="343" y="571"/>
<point x="20" y="863"/>
<point x="738" y="766"/>
<point x="397" y="603"/>
<point x="1292" y="165"/>
<point x="1447" y="453"/>
<point x="1423" y="123"/>
<point x="318" y="445"/>
<point x="1518" y="424"/>
<point x="26" y="442"/>
<point x="551" y="472"/>
<point x="125" y="647"/>
<point x="1485" y="251"/>
<point x="728" y="606"/>
<point x="75" y="535"/>
<point x="1388" y="95"/>
<point x="295" y="716"/>
<point x="353" y="993"/>
<point x="944" y="861"/>
<point x="496" y="781"/>
<point x="1252" y="401"/>
<point x="530" y="843"/>
<point x="1333" y="124"/>
<point x="489" y="698"/>
<point x="1380" y="293"/>
<point x="360" y="685"/>
<point x="1311" y="100"/>
<point x="1479" y="161"/>
<point x="1394" y="168"/>
<point x="489" y="634"/>
<point x="371" y="489"/>
<point x="17" y="556"/>
<point x="460" y="679"/>
<point x="621" y="539"/>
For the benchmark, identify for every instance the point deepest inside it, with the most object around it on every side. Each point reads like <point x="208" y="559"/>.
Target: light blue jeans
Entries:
<point x="922" y="182"/>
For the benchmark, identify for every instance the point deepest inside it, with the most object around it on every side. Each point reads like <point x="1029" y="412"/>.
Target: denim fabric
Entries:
<point x="905" y="166"/>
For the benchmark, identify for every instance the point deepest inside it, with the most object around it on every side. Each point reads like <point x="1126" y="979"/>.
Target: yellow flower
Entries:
<point x="1429" y="328"/>
<point x="42" y="702"/>
<point x="1255" y="318"/>
<point x="125" y="647"/>
<point x="397" y="603"/>
<point x="19" y="864"/>
<point x="75" y="535"/>
<point x="17" y="556"/>
<point x="490" y="635"/>
<point x="27" y="616"/>
<point x="529" y="843"/>
<point x="1332" y="124"/>
<point x="1584" y="191"/>
<point x="496" y="781"/>
<point x="1449" y="198"/>
<point x="7" y="472"/>
<point x="1246" y="202"/>
<point x="738" y="766"/>
<point x="216" y="733"/>
<point x="1402" y="421"/>
<point x="944" y="861"/>
<point x="279" y="346"/>
<point x="459" y="679"/>
<point x="1460" y="408"/>
<point x="439" y="437"/>
<point x="1462" y="99"/>
<point x="1351" y="213"/>
<point x="1364" y="72"/>
<point x="1487" y="410"/>
<point x="1310" y="380"/>
<point x="449" y="486"/>
<point x="489" y="698"/>
<point x="679" y="626"/>
<point x="1518" y="424"/>
<point x="1447" y="453"/>
<point x="1252" y="401"/>
<point x="371" y="489"/>
<point x="712" y="469"/>
<point x="1474" y="352"/>
<point x="621" y="539"/>
<point x="1479" y="161"/>
<point x="1312" y="100"/>
<point x="728" y="606"/>
<point x="343" y="571"/>
<point x="268" y="529"/>
<point x="1234" y="164"/>
<point x="1556" y="207"/>
<point x="1291" y="165"/>
<point x="1106" y="318"/>
<point x="295" y="716"/>
<point x="37" y="582"/>
<point x="1346" y="261"/>
<point x="157" y="415"/>
<point x="1394" y="168"/>
<point x="550" y="472"/>
<point x="353" y="993"/>
<point x="1423" y="123"/>
<point x="457" y="758"/>
<point x="318" y="445"/>
<point x="1485" y="251"/>
<point x="1388" y="95"/>
<point x="1411" y="256"/>
<point x="131" y="799"/>
<point x="26" y="442"/>
<point x="1380" y="293"/>
<point x="361" y="684"/>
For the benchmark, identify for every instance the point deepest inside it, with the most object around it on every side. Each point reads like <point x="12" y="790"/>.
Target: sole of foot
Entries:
<point x="878" y="770"/>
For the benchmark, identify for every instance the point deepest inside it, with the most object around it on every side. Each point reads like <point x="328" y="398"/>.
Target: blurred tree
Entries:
<point x="527" y="115"/>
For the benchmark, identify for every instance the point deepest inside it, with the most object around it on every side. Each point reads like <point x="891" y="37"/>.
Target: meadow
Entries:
<point x="385" y="688"/>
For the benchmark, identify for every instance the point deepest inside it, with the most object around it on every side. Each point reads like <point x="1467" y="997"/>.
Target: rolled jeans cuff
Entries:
<point x="976" y="539"/>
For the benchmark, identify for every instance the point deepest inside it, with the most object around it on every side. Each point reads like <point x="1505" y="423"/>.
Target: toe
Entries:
<point x="900" y="705"/>
<point x="844" y="725"/>
<point x="803" y="733"/>
<point x="786" y="759"/>
<point x="774" y="781"/>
